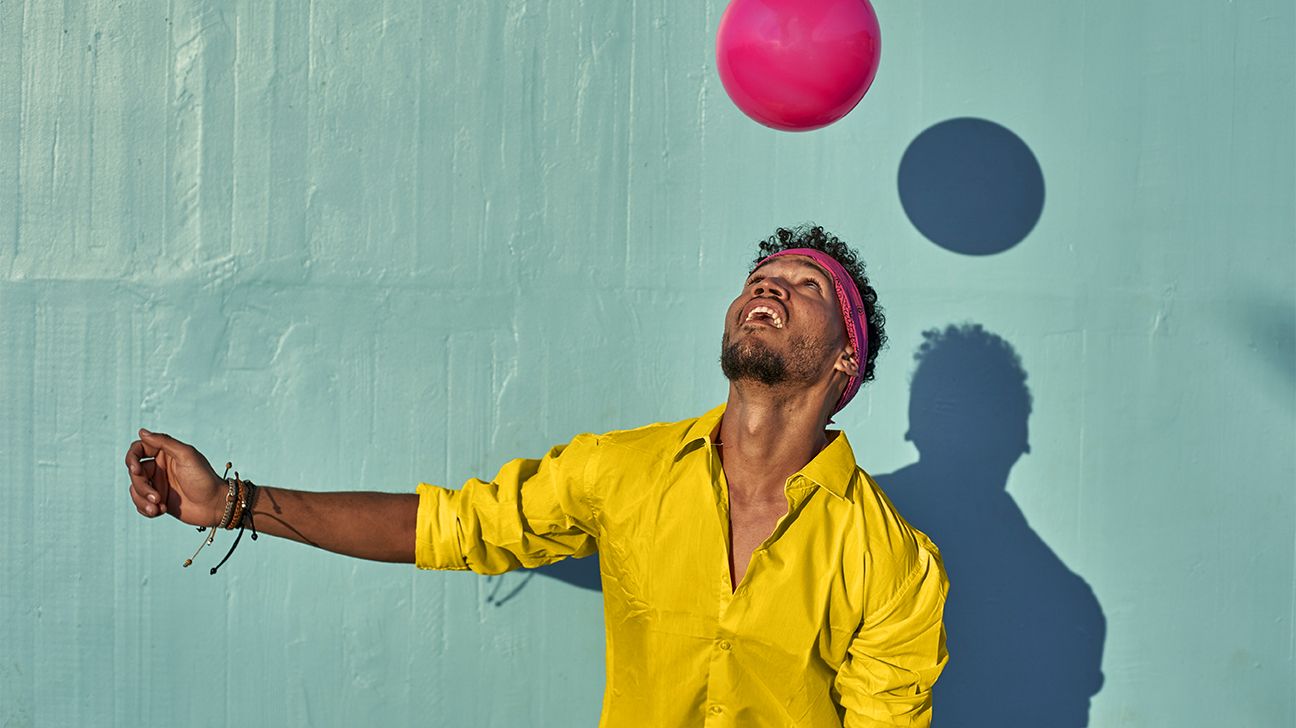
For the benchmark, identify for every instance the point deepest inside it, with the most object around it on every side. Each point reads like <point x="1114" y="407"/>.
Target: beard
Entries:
<point x="755" y="360"/>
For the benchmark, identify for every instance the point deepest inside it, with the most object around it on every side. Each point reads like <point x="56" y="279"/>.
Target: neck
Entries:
<point x="768" y="435"/>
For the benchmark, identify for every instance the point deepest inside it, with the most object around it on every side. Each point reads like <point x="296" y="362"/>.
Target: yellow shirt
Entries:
<point x="837" y="620"/>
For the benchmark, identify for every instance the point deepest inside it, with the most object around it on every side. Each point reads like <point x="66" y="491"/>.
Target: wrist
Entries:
<point x="235" y="512"/>
<point x="207" y="512"/>
<point x="212" y="508"/>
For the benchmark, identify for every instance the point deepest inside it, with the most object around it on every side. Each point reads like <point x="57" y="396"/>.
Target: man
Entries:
<point x="752" y="573"/>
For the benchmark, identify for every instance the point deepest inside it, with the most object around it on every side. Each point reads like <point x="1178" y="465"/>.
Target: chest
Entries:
<point x="750" y="525"/>
<point x="697" y="561"/>
<point x="685" y="538"/>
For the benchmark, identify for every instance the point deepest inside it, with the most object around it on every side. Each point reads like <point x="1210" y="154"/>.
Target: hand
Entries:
<point x="169" y="476"/>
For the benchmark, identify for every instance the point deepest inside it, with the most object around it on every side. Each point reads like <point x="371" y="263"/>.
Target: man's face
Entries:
<point x="785" y="326"/>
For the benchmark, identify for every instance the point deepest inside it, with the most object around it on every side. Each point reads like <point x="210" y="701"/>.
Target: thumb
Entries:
<point x="161" y="441"/>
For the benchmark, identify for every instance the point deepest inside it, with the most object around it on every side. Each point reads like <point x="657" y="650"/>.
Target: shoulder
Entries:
<point x="882" y="521"/>
<point x="602" y="454"/>
<point x="891" y="548"/>
<point x="656" y="438"/>
<point x="620" y="466"/>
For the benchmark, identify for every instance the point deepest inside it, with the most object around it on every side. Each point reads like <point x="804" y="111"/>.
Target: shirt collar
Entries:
<point x="702" y="428"/>
<point x="832" y="469"/>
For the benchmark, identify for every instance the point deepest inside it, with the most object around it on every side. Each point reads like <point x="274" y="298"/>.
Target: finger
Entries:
<point x="146" y="448"/>
<point x="145" y="508"/>
<point x="133" y="455"/>
<point x="147" y="488"/>
<point x="156" y="477"/>
<point x="141" y="474"/>
<point x="158" y="441"/>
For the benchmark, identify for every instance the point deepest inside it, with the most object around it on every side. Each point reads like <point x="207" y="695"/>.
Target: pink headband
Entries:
<point x="852" y="309"/>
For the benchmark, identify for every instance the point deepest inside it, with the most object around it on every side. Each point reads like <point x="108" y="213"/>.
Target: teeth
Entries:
<point x="777" y="320"/>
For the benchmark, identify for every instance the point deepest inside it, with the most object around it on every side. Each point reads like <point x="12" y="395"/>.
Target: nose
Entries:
<point x="772" y="287"/>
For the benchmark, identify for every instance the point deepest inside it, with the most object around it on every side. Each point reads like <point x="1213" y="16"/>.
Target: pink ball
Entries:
<point x="797" y="65"/>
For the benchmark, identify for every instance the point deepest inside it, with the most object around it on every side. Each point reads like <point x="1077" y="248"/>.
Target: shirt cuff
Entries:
<point x="436" y="533"/>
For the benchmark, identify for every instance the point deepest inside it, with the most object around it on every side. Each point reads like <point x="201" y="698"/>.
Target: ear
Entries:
<point x="847" y="363"/>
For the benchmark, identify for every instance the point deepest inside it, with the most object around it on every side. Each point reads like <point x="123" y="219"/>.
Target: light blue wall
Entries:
<point x="362" y="245"/>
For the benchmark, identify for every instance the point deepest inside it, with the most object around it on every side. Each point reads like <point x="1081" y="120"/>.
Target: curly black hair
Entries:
<point x="816" y="238"/>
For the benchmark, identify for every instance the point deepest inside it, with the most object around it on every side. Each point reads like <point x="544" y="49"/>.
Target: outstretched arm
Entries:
<point x="171" y="477"/>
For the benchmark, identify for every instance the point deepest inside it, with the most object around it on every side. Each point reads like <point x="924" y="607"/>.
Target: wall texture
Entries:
<point x="362" y="245"/>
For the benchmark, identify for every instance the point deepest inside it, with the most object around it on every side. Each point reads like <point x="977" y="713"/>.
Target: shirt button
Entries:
<point x="724" y="645"/>
<point x="716" y="710"/>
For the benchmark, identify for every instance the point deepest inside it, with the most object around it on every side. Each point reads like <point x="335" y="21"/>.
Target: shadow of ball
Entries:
<point x="971" y="186"/>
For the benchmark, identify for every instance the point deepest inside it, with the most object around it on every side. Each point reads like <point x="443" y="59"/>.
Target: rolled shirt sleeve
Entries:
<point x="532" y="513"/>
<point x="899" y="650"/>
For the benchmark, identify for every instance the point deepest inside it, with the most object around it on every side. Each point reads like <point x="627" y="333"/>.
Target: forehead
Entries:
<point x="793" y="263"/>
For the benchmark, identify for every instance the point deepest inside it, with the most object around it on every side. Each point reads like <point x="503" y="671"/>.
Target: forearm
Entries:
<point x="377" y="526"/>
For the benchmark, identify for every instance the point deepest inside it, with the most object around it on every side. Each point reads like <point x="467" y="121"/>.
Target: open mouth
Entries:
<point x="766" y="314"/>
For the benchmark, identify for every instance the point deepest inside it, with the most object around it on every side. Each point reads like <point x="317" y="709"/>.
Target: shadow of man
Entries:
<point x="1025" y="633"/>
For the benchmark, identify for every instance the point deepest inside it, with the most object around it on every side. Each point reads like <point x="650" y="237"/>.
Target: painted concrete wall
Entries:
<point x="362" y="245"/>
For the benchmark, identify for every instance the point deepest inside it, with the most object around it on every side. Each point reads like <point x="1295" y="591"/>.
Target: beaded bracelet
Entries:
<point x="239" y="504"/>
<point x="212" y="535"/>
<point x="231" y="498"/>
<point x="239" y="501"/>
